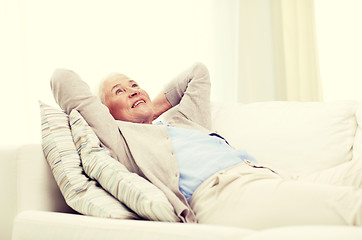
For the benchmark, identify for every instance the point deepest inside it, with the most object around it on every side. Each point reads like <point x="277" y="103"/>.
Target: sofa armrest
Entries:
<point x="8" y="179"/>
<point x="37" y="189"/>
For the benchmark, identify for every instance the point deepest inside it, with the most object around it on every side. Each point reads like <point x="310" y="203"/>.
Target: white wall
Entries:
<point x="339" y="33"/>
<point x="151" y="41"/>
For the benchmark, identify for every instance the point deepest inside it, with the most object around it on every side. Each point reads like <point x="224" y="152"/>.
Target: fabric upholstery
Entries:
<point x="59" y="226"/>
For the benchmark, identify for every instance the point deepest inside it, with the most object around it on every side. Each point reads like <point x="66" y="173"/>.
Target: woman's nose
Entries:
<point x="133" y="92"/>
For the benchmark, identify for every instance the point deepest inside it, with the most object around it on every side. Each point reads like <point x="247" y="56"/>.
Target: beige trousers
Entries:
<point x="256" y="197"/>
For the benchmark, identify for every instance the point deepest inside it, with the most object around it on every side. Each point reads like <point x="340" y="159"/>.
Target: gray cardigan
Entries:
<point x="144" y="149"/>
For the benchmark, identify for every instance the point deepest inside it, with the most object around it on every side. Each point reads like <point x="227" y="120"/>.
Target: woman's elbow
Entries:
<point x="201" y="71"/>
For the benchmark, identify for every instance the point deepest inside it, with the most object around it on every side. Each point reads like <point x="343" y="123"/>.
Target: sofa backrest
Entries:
<point x="293" y="136"/>
<point x="357" y="146"/>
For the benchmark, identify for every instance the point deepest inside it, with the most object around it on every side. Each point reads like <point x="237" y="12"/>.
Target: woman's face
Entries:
<point x="126" y="101"/>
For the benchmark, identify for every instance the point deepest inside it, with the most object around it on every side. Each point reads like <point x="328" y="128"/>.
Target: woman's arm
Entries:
<point x="190" y="91"/>
<point x="71" y="92"/>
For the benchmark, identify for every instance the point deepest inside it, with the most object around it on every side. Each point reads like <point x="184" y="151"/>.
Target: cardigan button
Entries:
<point x="248" y="162"/>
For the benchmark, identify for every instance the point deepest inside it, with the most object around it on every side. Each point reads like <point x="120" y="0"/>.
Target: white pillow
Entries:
<point x="299" y="137"/>
<point x="134" y="191"/>
<point x="80" y="193"/>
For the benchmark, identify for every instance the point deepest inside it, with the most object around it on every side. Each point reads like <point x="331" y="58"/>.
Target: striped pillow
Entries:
<point x="80" y="193"/>
<point x="134" y="191"/>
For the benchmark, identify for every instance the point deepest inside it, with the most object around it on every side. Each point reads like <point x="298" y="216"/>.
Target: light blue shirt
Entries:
<point x="199" y="156"/>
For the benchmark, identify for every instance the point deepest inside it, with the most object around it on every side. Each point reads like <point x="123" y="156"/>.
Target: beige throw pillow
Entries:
<point x="137" y="193"/>
<point x="80" y="193"/>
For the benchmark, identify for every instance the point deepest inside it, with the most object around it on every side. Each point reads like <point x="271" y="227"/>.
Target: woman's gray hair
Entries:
<point x="101" y="92"/>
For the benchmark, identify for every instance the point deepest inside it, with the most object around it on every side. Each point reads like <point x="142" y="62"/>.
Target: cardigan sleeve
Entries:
<point x="70" y="92"/>
<point x="190" y="92"/>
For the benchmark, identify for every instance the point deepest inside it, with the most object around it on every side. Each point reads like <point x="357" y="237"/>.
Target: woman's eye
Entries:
<point x="134" y="85"/>
<point x="118" y="91"/>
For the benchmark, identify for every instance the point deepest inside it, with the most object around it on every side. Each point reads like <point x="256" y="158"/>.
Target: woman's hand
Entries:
<point x="160" y="105"/>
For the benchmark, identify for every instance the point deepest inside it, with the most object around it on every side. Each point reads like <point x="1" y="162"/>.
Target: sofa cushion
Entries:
<point x="298" y="137"/>
<point x="38" y="225"/>
<point x="136" y="192"/>
<point x="315" y="232"/>
<point x="81" y="193"/>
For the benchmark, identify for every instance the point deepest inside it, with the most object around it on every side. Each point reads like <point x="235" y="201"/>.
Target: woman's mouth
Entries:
<point x="138" y="103"/>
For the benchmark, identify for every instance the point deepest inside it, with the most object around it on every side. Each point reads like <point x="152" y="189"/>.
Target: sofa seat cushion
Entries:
<point x="40" y="225"/>
<point x="322" y="232"/>
<point x="49" y="225"/>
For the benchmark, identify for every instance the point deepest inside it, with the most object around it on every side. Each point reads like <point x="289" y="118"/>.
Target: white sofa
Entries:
<point x="299" y="138"/>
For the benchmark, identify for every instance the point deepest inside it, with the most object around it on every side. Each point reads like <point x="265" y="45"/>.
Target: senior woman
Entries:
<point x="205" y="179"/>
